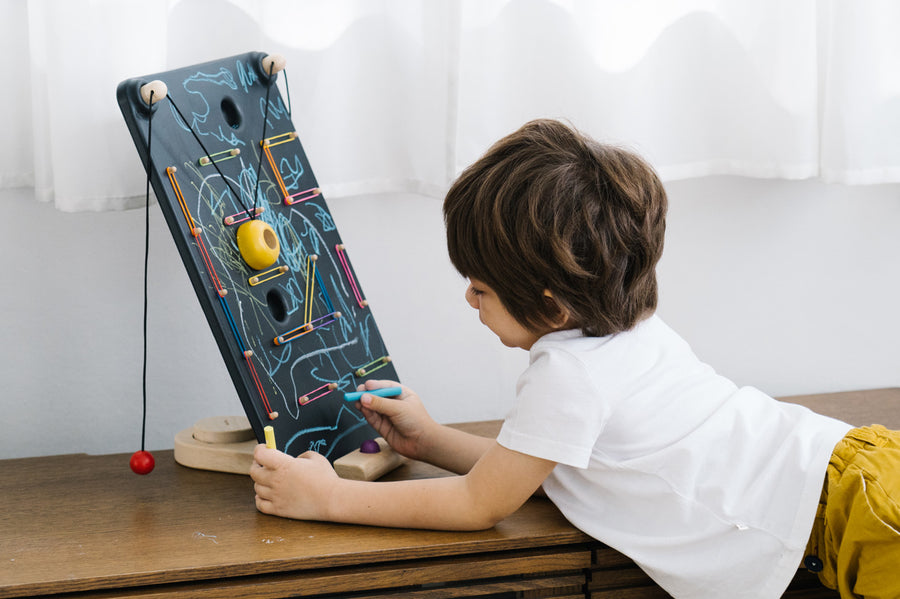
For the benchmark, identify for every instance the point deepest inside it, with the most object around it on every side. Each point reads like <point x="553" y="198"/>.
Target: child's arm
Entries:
<point x="307" y="488"/>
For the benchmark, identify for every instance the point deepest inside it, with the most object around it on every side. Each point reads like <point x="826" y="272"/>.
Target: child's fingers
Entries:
<point x="264" y="505"/>
<point x="270" y="458"/>
<point x="262" y="491"/>
<point x="373" y="384"/>
<point x="265" y="499"/>
<point x="313" y="457"/>
<point x="384" y="406"/>
<point x="377" y="384"/>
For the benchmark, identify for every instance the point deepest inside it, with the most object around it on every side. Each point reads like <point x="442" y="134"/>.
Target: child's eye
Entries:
<point x="474" y="291"/>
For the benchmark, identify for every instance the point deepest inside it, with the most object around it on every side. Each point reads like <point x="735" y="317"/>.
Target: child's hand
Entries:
<point x="402" y="421"/>
<point x="292" y="487"/>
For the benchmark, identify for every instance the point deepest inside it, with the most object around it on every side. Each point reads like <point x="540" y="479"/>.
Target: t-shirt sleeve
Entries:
<point x="558" y="413"/>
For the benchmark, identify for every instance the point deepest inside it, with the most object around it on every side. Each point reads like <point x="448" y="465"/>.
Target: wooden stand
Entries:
<point x="220" y="443"/>
<point x="357" y="465"/>
<point x="226" y="444"/>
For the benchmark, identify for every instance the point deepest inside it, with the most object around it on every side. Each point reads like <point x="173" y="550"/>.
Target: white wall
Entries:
<point x="791" y="286"/>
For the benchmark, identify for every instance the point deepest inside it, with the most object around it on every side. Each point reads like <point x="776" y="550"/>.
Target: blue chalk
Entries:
<point x="385" y="392"/>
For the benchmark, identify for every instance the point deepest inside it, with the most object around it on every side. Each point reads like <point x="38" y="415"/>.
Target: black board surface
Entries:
<point x="297" y="334"/>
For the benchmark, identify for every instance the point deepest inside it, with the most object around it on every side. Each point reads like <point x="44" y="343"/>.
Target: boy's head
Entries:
<point x="550" y="209"/>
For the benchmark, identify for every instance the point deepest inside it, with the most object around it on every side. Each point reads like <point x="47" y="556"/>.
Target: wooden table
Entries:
<point x="85" y="526"/>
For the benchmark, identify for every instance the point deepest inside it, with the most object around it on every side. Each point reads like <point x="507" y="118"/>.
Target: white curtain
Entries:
<point x="399" y="95"/>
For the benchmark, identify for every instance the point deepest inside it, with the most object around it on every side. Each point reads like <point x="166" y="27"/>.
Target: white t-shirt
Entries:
<point x="711" y="489"/>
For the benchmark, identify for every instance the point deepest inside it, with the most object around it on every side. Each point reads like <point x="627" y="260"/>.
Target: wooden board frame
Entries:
<point x="302" y="334"/>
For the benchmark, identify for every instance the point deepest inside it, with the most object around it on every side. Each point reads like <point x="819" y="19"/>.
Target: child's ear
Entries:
<point x="559" y="314"/>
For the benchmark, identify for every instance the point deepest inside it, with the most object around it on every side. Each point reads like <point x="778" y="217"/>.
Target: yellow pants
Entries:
<point x="855" y="541"/>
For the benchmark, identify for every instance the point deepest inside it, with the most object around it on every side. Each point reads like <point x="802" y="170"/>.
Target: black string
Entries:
<point x="146" y="268"/>
<point x="287" y="91"/>
<point x="213" y="162"/>
<point x="262" y="141"/>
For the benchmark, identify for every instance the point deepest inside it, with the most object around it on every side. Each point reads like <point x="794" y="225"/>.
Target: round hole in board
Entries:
<point x="270" y="239"/>
<point x="231" y="113"/>
<point x="277" y="307"/>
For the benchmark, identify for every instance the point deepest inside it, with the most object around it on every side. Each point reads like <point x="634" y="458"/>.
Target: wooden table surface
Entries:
<point x="77" y="522"/>
<point x="83" y="522"/>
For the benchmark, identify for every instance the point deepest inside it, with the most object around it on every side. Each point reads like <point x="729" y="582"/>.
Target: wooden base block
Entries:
<point x="226" y="444"/>
<point x="357" y="465"/>
<point x="223" y="429"/>
<point x="220" y="443"/>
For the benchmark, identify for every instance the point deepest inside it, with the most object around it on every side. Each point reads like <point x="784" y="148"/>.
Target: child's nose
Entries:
<point x="471" y="298"/>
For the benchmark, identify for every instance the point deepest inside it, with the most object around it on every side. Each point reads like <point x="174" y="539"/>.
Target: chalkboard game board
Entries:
<point x="236" y="189"/>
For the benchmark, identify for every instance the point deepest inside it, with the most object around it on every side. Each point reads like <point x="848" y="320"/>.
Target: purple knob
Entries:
<point x="369" y="446"/>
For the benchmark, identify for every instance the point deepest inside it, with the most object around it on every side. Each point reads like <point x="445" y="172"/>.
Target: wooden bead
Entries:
<point x="273" y="63"/>
<point x="158" y="89"/>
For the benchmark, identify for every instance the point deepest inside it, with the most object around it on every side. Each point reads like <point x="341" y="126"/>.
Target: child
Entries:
<point x="712" y="489"/>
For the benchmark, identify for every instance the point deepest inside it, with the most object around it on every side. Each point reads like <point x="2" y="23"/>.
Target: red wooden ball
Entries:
<point x="142" y="462"/>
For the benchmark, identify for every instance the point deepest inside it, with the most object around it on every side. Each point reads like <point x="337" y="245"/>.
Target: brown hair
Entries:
<point x="548" y="208"/>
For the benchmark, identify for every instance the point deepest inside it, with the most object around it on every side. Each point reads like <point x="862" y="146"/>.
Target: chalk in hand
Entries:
<point x="385" y="392"/>
<point x="270" y="437"/>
